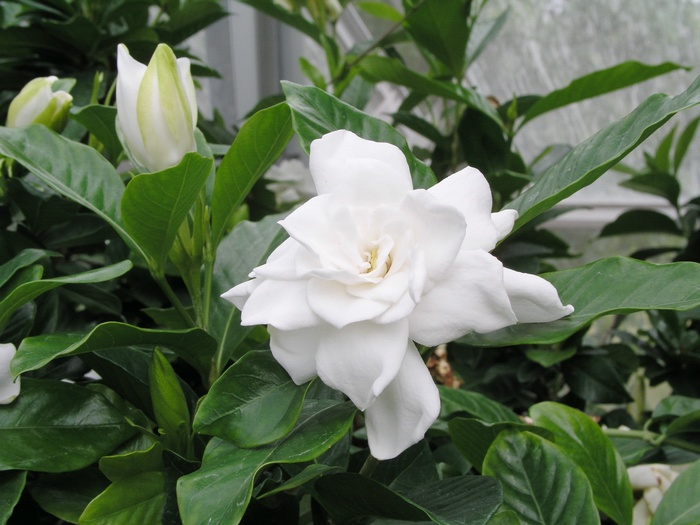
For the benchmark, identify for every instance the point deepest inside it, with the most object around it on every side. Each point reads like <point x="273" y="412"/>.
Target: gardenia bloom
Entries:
<point x="36" y="103"/>
<point x="653" y="480"/>
<point x="291" y="182"/>
<point x="373" y="265"/>
<point x="156" y="108"/>
<point x="9" y="389"/>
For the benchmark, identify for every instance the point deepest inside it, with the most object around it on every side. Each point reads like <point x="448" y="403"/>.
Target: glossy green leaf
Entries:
<point x="253" y="403"/>
<point x="74" y="170"/>
<point x="220" y="490"/>
<point x="155" y="204"/>
<point x="138" y="499"/>
<point x="684" y="142"/>
<point x="11" y="486"/>
<point x="316" y="113"/>
<point x="56" y="427"/>
<point x="476" y="405"/>
<point x="598" y="83"/>
<point x="100" y="121"/>
<point x="440" y="27"/>
<point x="382" y="69"/>
<point x="595" y="379"/>
<point x="193" y="345"/>
<point x="412" y="468"/>
<point x="473" y="437"/>
<point x="507" y="517"/>
<point x="463" y="500"/>
<point x="67" y="494"/>
<point x="169" y="404"/>
<point x="30" y="290"/>
<point x="313" y="471"/>
<point x="258" y="144"/>
<point x="680" y="504"/>
<point x="593" y="157"/>
<point x="641" y="221"/>
<point x="23" y="259"/>
<point x="608" y="286"/>
<point x="661" y="184"/>
<point x="676" y="406"/>
<point x="539" y="481"/>
<point x="584" y="442"/>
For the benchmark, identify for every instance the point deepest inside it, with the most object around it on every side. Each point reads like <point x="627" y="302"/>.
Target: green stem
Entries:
<point x="159" y="278"/>
<point x="371" y="463"/>
<point x="653" y="438"/>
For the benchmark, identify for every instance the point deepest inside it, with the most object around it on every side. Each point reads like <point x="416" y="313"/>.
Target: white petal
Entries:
<point x="640" y="513"/>
<point x="504" y="221"/>
<point x="359" y="170"/>
<point x="361" y="359"/>
<point x="472" y="298"/>
<point x="183" y="70"/>
<point x="468" y="191"/>
<point x="289" y="261"/>
<point x="533" y="299"/>
<point x="282" y="304"/>
<point x="9" y="389"/>
<point x="238" y="295"/>
<point x="295" y="350"/>
<point x="129" y="79"/>
<point x="331" y="301"/>
<point x="404" y="411"/>
<point x="642" y="477"/>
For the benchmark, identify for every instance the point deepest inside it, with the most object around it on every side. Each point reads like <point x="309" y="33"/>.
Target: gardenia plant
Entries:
<point x="373" y="266"/>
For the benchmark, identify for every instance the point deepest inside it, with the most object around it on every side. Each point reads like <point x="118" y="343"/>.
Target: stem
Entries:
<point x="654" y="438"/>
<point x="369" y="466"/>
<point x="172" y="297"/>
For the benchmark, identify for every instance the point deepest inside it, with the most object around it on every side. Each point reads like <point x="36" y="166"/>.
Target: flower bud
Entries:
<point x="156" y="108"/>
<point x="9" y="389"/>
<point x="38" y="104"/>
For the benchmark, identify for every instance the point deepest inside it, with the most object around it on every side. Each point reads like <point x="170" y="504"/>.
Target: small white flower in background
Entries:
<point x="37" y="103"/>
<point x="653" y="480"/>
<point x="156" y="108"/>
<point x="9" y="389"/>
<point x="291" y="182"/>
<point x="373" y="265"/>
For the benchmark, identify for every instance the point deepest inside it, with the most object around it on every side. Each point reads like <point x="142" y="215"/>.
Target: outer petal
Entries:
<point x="9" y="389"/>
<point x="362" y="359"/>
<point x="359" y="170"/>
<point x="331" y="301"/>
<point x="504" y="221"/>
<point x="129" y="79"/>
<point x="295" y="350"/>
<point x="472" y="298"/>
<point x="282" y="304"/>
<point x="533" y="299"/>
<point x="468" y="191"/>
<point x="404" y="411"/>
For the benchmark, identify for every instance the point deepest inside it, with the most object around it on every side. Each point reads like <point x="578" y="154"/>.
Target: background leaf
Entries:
<point x="11" y="487"/>
<point x="476" y="405"/>
<point x="680" y="505"/>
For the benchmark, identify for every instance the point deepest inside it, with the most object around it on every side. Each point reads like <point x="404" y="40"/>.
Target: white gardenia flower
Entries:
<point x="372" y="266"/>
<point x="37" y="103"/>
<point x="9" y="389"/>
<point x="291" y="182"/>
<point x="156" y="108"/>
<point x="653" y="480"/>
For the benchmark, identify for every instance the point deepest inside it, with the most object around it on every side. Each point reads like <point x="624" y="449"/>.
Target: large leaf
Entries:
<point x="74" y="170"/>
<point x="100" y="121"/>
<point x="476" y="405"/>
<point x="57" y="427"/>
<point x="67" y="494"/>
<point x="598" y="83"/>
<point x="608" y="286"/>
<point x="220" y="491"/>
<point x="258" y="143"/>
<point x="641" y="221"/>
<point x="23" y="259"/>
<point x="11" y="487"/>
<point x="253" y="403"/>
<point x="463" y="500"/>
<point x="681" y="505"/>
<point x="316" y="113"/>
<point x="193" y="345"/>
<point x="584" y="442"/>
<point x="27" y="291"/>
<point x="155" y="204"/>
<point x="593" y="157"/>
<point x="539" y="481"/>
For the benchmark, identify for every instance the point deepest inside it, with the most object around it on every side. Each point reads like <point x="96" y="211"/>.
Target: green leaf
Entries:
<point x="608" y="286"/>
<point x="462" y="500"/>
<point x="595" y="379"/>
<point x="258" y="143"/>
<point x="220" y="491"/>
<point x="676" y="406"/>
<point x="193" y="345"/>
<point x="155" y="204"/>
<point x="11" y="488"/>
<point x="100" y="121"/>
<point x="539" y="481"/>
<point x="56" y="427"/>
<point x="483" y="32"/>
<point x="477" y="405"/>
<point x="641" y="221"/>
<point x="473" y="438"/>
<point x="23" y="259"/>
<point x="28" y="291"/>
<point x="295" y="20"/>
<point x="661" y="184"/>
<point x="548" y="358"/>
<point x="598" y="83"/>
<point x="74" y="170"/>
<point x="67" y="494"/>
<point x="316" y="113"/>
<point x="584" y="442"/>
<point x="680" y="505"/>
<point x="507" y="517"/>
<point x="169" y="404"/>
<point x="378" y="69"/>
<point x="253" y="403"/>
<point x="593" y="157"/>
<point x="440" y="27"/>
<point x="380" y="10"/>
<point x="313" y="471"/>
<point x="683" y="142"/>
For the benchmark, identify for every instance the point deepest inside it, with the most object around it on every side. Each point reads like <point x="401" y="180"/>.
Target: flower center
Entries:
<point x="376" y="260"/>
